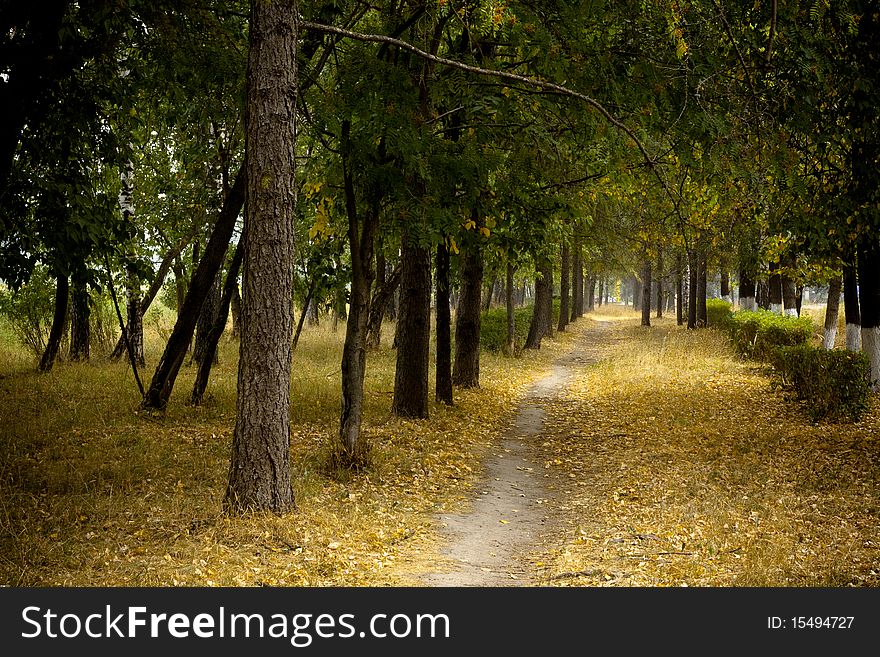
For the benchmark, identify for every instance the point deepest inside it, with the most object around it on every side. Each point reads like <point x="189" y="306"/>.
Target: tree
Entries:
<point x="259" y="471"/>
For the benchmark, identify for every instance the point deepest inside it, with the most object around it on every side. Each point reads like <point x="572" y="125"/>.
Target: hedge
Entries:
<point x="756" y="334"/>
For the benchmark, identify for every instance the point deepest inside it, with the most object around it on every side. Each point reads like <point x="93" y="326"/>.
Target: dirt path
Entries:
<point x="491" y="545"/>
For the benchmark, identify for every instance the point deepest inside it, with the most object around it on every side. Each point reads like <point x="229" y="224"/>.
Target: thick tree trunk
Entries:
<point x="443" y="369"/>
<point x="216" y="332"/>
<point x="543" y="304"/>
<point x="725" y="285"/>
<point x="869" y="304"/>
<point x="159" y="392"/>
<point x="414" y="331"/>
<point x="59" y="319"/>
<point x="747" y="298"/>
<point x="379" y="306"/>
<point x="259" y="471"/>
<point x="789" y="291"/>
<point x="831" y="312"/>
<point x="511" y="311"/>
<point x="564" y="289"/>
<point x="466" y="370"/>
<point x="646" y="292"/>
<point x="851" y="308"/>
<point x="79" y="321"/>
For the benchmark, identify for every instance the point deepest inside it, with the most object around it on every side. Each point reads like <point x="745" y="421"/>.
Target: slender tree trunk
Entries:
<point x="59" y="319"/>
<point x="548" y="318"/>
<point x="591" y="293"/>
<point x="487" y="297"/>
<point x="659" y="284"/>
<point x="511" y="311"/>
<point x="379" y="306"/>
<point x="180" y="283"/>
<point x="207" y="319"/>
<point x="577" y="280"/>
<point x="79" y="324"/>
<point x="747" y="299"/>
<point x="646" y="292"/>
<point x="414" y="331"/>
<point x="563" y="289"/>
<point x="543" y="302"/>
<point x="466" y="369"/>
<point x="702" y="275"/>
<point x="831" y="312"/>
<point x="259" y="471"/>
<point x="443" y="370"/>
<point x="361" y="241"/>
<point x="602" y="290"/>
<point x="851" y="308"/>
<point x="216" y="332"/>
<point x="679" y="293"/>
<point x="693" y="266"/>
<point x="789" y="291"/>
<point x="775" y="288"/>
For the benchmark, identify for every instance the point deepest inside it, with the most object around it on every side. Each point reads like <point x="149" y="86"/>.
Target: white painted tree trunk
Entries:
<point x="748" y="303"/>
<point x="790" y="312"/>
<point x="829" y="338"/>
<point x="776" y="308"/>
<point x="853" y="337"/>
<point x="871" y="348"/>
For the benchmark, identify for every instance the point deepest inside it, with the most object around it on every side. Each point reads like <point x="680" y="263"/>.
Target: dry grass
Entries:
<point x="93" y="493"/>
<point x="681" y="467"/>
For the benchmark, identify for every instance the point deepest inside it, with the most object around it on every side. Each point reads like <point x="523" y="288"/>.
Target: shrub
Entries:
<point x="493" y="326"/>
<point x="835" y="384"/>
<point x="757" y="334"/>
<point x="718" y="312"/>
<point x="29" y="310"/>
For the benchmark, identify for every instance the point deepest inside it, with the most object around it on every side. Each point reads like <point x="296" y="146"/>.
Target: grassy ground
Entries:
<point x="681" y="466"/>
<point x="94" y="493"/>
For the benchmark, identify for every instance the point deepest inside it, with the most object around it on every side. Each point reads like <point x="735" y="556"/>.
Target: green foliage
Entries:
<point x="835" y="384"/>
<point x="29" y="310"/>
<point x="757" y="333"/>
<point x="718" y="312"/>
<point x="493" y="326"/>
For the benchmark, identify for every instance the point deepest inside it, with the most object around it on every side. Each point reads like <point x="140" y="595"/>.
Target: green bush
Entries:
<point x="757" y="334"/>
<point x="718" y="312"/>
<point x="835" y="384"/>
<point x="493" y="326"/>
<point x="29" y="310"/>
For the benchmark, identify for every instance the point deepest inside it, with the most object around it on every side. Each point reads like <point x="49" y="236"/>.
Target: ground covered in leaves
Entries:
<point x="681" y="466"/>
<point x="668" y="461"/>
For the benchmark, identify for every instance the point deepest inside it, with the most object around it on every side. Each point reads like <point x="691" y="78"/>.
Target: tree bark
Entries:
<point x="646" y="292"/>
<point x="659" y="283"/>
<point x="216" y="332"/>
<point x="832" y="309"/>
<point x="563" y="289"/>
<point x="511" y="311"/>
<point x="869" y="304"/>
<point x="789" y="291"/>
<point x="466" y="369"/>
<point x="851" y="308"/>
<point x="207" y="319"/>
<point x="747" y="297"/>
<point x="543" y="304"/>
<point x="577" y="279"/>
<point x="379" y="306"/>
<point x="775" y="288"/>
<point x="693" y="266"/>
<point x="702" y="275"/>
<point x="259" y="471"/>
<point x="725" y="285"/>
<point x="414" y="330"/>
<point x="79" y="322"/>
<point x="59" y="319"/>
<point x="443" y="369"/>
<point x="159" y="392"/>
<point x="679" y="292"/>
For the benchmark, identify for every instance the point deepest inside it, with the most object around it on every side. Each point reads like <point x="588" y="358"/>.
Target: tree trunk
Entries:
<point x="259" y="471"/>
<point x="775" y="288"/>
<point x="679" y="292"/>
<point x="79" y="321"/>
<point x="563" y="289"/>
<point x="207" y="319"/>
<point x="511" y="311"/>
<point x="831" y="312"/>
<point x="659" y="283"/>
<point x="577" y="280"/>
<point x="646" y="292"/>
<point x="487" y="298"/>
<point x="216" y="332"/>
<point x="159" y="392"/>
<point x="692" y="289"/>
<point x="869" y="304"/>
<point x="789" y="291"/>
<point x="379" y="306"/>
<point x="443" y="369"/>
<point x="702" y="275"/>
<point x="851" y="308"/>
<point x="602" y="291"/>
<point x="414" y="331"/>
<point x="361" y="241"/>
<point x="466" y="370"/>
<point x="747" y="299"/>
<point x="543" y="304"/>
<point x="180" y="284"/>
<point x="59" y="319"/>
